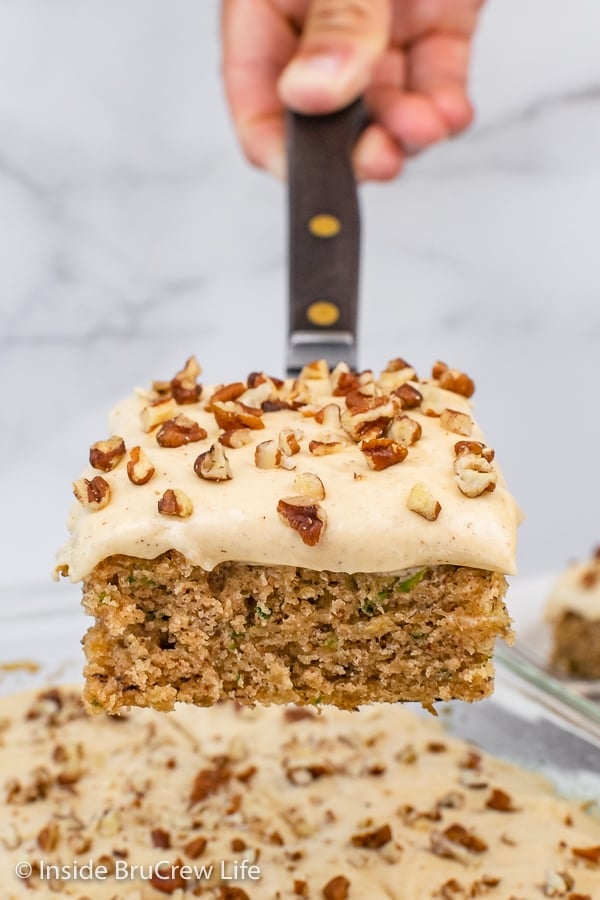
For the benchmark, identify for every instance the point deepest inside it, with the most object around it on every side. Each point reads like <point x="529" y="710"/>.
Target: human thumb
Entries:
<point x="340" y="43"/>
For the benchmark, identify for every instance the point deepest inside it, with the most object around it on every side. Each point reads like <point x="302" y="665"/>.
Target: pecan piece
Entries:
<point x="179" y="431"/>
<point x="168" y="878"/>
<point x="235" y="438"/>
<point x="337" y="889"/>
<point x="195" y="847"/>
<point x="160" y="838"/>
<point x="453" y="379"/>
<point x="184" y="386"/>
<point x="158" y="412"/>
<point x="175" y="503"/>
<point x="500" y="801"/>
<point x="289" y="441"/>
<point x="475" y="447"/>
<point x="94" y="494"/>
<point x="48" y="837"/>
<point x="329" y="416"/>
<point x="267" y="455"/>
<point x="304" y="515"/>
<point x="105" y="455"/>
<point x="397" y="364"/>
<point x="309" y="485"/>
<point x="332" y="443"/>
<point x="421" y="501"/>
<point x="213" y="465"/>
<point x="589" y="854"/>
<point x="232" y="414"/>
<point x="405" y="430"/>
<point x="409" y="396"/>
<point x="458" y="422"/>
<point x="316" y="370"/>
<point x="371" y="414"/>
<point x="474" y="473"/>
<point x="373" y="839"/>
<point x="383" y="452"/>
<point x="139" y="467"/>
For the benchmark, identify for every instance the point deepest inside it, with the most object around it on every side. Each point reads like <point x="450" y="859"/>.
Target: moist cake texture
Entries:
<point x="573" y="609"/>
<point x="338" y="538"/>
<point x="375" y="805"/>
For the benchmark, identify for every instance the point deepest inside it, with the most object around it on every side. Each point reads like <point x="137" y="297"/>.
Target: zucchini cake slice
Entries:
<point x="339" y="538"/>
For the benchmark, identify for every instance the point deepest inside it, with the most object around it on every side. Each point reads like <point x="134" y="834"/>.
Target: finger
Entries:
<point x="413" y="120"/>
<point x="377" y="157"/>
<point x="438" y="68"/>
<point x="257" y="43"/>
<point x="339" y="47"/>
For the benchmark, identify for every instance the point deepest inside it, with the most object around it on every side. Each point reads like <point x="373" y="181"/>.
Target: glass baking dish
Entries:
<point x="532" y="719"/>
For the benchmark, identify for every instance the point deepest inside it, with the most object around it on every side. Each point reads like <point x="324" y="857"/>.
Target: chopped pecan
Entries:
<point x="179" y="431"/>
<point x="289" y="441"/>
<point x="458" y="834"/>
<point x="343" y="381"/>
<point x="255" y="397"/>
<point x="589" y="854"/>
<point x="337" y="889"/>
<point x="304" y="515"/>
<point x="316" y="370"/>
<point x="213" y="465"/>
<point x="383" y="452"/>
<point x="167" y="877"/>
<point x="557" y="884"/>
<point x="500" y="801"/>
<point x="139" y="467"/>
<point x="309" y="485"/>
<point x="48" y="837"/>
<point x="474" y="473"/>
<point x="372" y="414"/>
<point x="195" y="847"/>
<point x="94" y="494"/>
<point x="329" y="416"/>
<point x="232" y="414"/>
<point x="331" y="443"/>
<point x="397" y="364"/>
<point x="458" y="422"/>
<point x="209" y="781"/>
<point x="373" y="839"/>
<point x="453" y="379"/>
<point x="175" y="503"/>
<point x="158" y="412"/>
<point x="105" y="455"/>
<point x="405" y="430"/>
<point x="422" y="501"/>
<point x="409" y="396"/>
<point x="235" y="438"/>
<point x="225" y="393"/>
<point x="300" y="887"/>
<point x="160" y="838"/>
<point x="475" y="447"/>
<point x="184" y="386"/>
<point x="267" y="455"/>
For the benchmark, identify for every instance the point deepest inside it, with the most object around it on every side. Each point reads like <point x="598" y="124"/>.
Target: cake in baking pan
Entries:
<point x="339" y="538"/>
<point x="573" y="610"/>
<point x="232" y="803"/>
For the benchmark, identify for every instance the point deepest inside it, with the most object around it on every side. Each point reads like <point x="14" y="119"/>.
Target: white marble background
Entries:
<point x="132" y="233"/>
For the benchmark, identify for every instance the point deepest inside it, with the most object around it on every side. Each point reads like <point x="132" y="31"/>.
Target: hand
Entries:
<point x="408" y="57"/>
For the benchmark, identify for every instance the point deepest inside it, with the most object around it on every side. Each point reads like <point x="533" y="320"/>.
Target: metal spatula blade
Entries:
<point x="324" y="237"/>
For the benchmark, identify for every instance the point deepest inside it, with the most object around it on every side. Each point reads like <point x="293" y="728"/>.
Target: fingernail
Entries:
<point x="308" y="71"/>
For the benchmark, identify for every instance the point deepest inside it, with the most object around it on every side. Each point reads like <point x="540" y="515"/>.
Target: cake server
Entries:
<point x="324" y="237"/>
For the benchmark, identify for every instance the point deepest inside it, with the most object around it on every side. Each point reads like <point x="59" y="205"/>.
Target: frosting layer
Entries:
<point x="369" y="526"/>
<point x="577" y="590"/>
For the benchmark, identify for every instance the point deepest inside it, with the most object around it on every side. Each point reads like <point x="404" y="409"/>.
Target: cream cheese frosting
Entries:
<point x="369" y="528"/>
<point x="577" y="590"/>
<point x="377" y="803"/>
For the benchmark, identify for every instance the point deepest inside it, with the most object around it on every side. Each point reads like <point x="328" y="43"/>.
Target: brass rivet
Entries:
<point x="323" y="312"/>
<point x="324" y="226"/>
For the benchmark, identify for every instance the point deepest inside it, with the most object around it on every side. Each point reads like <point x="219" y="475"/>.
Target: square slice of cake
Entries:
<point x="339" y="538"/>
<point x="573" y="610"/>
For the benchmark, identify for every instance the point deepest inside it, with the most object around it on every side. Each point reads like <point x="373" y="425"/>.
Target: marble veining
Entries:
<point x="132" y="233"/>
